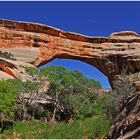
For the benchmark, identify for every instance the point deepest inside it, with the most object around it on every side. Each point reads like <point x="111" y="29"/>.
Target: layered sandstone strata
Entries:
<point x="38" y="44"/>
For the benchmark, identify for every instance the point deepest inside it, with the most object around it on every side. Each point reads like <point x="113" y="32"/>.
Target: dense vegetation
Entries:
<point x="95" y="127"/>
<point x="58" y="103"/>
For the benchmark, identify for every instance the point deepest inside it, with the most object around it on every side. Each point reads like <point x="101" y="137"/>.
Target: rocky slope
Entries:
<point x="37" y="44"/>
<point x="127" y="124"/>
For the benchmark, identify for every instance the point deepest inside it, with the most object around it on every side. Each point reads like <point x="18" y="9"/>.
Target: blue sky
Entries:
<point x="89" y="18"/>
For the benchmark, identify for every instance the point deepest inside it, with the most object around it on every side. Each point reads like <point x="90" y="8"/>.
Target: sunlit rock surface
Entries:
<point x="38" y="44"/>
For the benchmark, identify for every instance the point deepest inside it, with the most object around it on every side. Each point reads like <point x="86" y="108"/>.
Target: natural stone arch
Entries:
<point x="38" y="44"/>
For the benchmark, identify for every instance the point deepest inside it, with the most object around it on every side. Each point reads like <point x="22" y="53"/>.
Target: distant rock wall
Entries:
<point x="37" y="44"/>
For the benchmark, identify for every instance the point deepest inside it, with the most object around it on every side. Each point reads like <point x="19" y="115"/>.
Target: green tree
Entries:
<point x="26" y="95"/>
<point x="7" y="99"/>
<point x="69" y="90"/>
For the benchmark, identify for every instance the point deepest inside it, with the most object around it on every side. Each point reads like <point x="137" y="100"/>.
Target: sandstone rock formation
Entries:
<point x="24" y="44"/>
<point x="10" y="69"/>
<point x="127" y="124"/>
<point x="38" y="44"/>
<point x="137" y="85"/>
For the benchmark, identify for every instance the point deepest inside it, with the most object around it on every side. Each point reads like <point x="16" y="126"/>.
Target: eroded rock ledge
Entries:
<point x="127" y="124"/>
<point x="38" y="44"/>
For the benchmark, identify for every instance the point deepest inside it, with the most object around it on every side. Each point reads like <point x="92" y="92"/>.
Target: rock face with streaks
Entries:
<point x="38" y="44"/>
<point x="127" y="124"/>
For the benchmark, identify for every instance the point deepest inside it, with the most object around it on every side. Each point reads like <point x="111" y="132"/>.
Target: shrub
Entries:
<point x="7" y="55"/>
<point x="90" y="128"/>
<point x="115" y="99"/>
